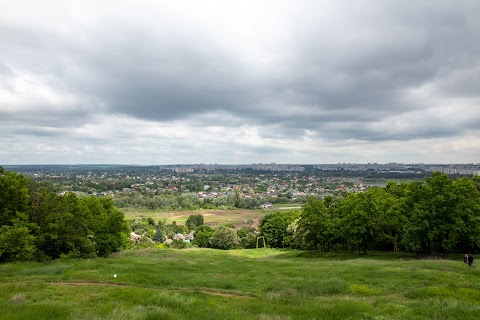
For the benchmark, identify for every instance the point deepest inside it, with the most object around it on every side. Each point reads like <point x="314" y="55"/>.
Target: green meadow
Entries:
<point x="237" y="217"/>
<point x="241" y="284"/>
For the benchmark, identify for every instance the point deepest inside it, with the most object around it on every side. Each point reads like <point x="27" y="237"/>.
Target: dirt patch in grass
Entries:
<point x="103" y="284"/>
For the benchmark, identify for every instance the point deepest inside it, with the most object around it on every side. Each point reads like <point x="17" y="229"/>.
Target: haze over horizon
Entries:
<point x="239" y="82"/>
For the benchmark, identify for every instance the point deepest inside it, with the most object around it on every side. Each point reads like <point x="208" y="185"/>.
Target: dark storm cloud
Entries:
<point x="180" y="79"/>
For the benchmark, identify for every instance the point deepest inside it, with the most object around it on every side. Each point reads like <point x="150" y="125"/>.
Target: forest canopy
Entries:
<point x="38" y="224"/>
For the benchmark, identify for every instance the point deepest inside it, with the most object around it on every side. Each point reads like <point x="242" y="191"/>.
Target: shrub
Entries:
<point x="224" y="238"/>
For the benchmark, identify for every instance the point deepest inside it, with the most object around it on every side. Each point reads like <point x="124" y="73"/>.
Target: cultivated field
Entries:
<point x="240" y="284"/>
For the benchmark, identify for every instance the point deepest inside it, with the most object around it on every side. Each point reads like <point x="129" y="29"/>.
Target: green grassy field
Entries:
<point x="237" y="217"/>
<point x="240" y="284"/>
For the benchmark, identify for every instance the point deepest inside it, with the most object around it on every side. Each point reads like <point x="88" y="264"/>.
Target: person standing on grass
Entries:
<point x="465" y="258"/>
<point x="470" y="259"/>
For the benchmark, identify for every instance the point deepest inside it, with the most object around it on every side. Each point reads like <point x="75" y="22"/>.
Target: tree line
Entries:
<point x="38" y="224"/>
<point x="437" y="215"/>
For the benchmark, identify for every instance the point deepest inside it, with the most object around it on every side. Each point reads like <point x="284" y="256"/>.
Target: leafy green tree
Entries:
<point x="224" y="238"/>
<point x="314" y="225"/>
<point x="464" y="233"/>
<point x="36" y="221"/>
<point x="364" y="218"/>
<point x="16" y="244"/>
<point x="248" y="237"/>
<point x="274" y="228"/>
<point x="109" y="227"/>
<point x="441" y="214"/>
<point x="14" y="196"/>
<point x="194" y="221"/>
<point x="202" y="235"/>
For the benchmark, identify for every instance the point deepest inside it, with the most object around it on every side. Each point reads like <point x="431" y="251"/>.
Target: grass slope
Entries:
<point x="240" y="284"/>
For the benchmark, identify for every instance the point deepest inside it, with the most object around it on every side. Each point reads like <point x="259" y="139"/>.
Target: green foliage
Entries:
<point x="194" y="221"/>
<point x="158" y="237"/>
<point x="224" y="238"/>
<point x="37" y="223"/>
<point x="151" y="222"/>
<point x="189" y="201"/>
<point x="365" y="216"/>
<point x="274" y="227"/>
<point x="438" y="215"/>
<point x="14" y="196"/>
<point x="442" y="215"/>
<point x="16" y="244"/>
<point x="202" y="235"/>
<point x="248" y="237"/>
<point x="178" y="244"/>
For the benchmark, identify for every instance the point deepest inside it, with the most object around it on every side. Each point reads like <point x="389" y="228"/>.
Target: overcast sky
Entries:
<point x="238" y="82"/>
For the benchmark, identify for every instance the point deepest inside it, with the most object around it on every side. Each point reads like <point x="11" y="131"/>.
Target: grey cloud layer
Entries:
<point x="367" y="70"/>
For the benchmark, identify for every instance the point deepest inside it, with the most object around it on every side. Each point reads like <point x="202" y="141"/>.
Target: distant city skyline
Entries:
<point x="239" y="82"/>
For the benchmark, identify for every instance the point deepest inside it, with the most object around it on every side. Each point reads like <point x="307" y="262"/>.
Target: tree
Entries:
<point x="194" y="221"/>
<point x="364" y="218"/>
<point x="314" y="226"/>
<point x="16" y="244"/>
<point x="202" y="235"/>
<point x="110" y="228"/>
<point x="37" y="221"/>
<point x="224" y="238"/>
<point x="189" y="201"/>
<point x="248" y="237"/>
<point x="14" y="196"/>
<point x="274" y="228"/>
<point x="158" y="237"/>
<point x="150" y="221"/>
<point x="441" y="215"/>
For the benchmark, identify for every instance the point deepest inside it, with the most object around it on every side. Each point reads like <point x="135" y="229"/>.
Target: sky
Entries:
<point x="239" y="82"/>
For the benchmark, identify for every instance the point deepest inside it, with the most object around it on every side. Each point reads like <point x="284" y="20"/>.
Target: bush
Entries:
<point x="202" y="235"/>
<point x="224" y="238"/>
<point x="16" y="244"/>
<point x="178" y="244"/>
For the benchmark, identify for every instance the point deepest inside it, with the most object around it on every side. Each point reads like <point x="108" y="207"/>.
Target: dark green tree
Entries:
<point x="16" y="244"/>
<point x="274" y="228"/>
<point x="194" y="221"/>
<point x="14" y="196"/>
<point x="315" y="225"/>
<point x="248" y="237"/>
<point x="224" y="238"/>
<point x="202" y="235"/>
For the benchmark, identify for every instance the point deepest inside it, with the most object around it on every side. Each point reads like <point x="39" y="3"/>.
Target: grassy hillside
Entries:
<point x="240" y="284"/>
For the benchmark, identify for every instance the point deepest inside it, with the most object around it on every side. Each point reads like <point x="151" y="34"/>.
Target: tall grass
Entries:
<point x="240" y="284"/>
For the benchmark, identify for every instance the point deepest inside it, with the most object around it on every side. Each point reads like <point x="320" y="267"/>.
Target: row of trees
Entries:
<point x="435" y="216"/>
<point x="38" y="224"/>
<point x="185" y="201"/>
